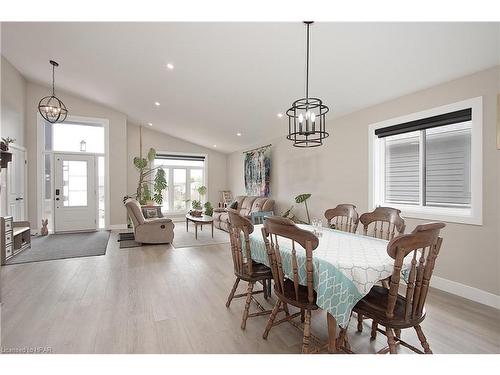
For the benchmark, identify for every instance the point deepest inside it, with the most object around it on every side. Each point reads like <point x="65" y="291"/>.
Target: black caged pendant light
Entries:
<point x="51" y="107"/>
<point x="307" y="116"/>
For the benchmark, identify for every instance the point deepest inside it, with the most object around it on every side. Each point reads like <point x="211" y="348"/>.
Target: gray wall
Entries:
<point x="12" y="120"/>
<point x="338" y="173"/>
<point x="13" y="102"/>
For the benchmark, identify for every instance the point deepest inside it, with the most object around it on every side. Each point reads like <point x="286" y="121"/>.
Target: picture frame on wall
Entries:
<point x="498" y="122"/>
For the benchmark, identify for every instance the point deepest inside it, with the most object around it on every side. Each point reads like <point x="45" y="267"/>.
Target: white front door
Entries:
<point x="16" y="184"/>
<point x="75" y="193"/>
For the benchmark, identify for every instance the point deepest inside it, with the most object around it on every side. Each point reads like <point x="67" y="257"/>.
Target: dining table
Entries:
<point x="345" y="267"/>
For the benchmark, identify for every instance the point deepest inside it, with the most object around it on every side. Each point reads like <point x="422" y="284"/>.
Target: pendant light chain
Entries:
<point x="307" y="63"/>
<point x="51" y="107"/>
<point x="53" y="81"/>
<point x="307" y="116"/>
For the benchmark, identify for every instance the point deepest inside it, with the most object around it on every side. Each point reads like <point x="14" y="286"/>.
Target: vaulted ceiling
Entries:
<point x="231" y="78"/>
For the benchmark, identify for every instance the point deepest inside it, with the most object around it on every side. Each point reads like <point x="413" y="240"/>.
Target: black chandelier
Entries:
<point x="307" y="116"/>
<point x="51" y="107"/>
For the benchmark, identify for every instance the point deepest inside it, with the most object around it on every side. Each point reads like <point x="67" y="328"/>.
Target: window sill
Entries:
<point x="451" y="215"/>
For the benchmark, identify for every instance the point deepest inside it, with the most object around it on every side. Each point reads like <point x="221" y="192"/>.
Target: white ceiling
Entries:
<point x="236" y="77"/>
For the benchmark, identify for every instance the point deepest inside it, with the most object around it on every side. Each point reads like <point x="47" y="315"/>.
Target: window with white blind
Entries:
<point x="184" y="175"/>
<point x="429" y="164"/>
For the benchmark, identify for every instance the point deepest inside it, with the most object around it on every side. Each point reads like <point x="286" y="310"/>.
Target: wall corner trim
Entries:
<point x="467" y="292"/>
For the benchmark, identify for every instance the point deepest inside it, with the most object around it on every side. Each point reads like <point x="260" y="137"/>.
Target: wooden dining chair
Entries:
<point x="384" y="223"/>
<point x="390" y="309"/>
<point x="387" y="222"/>
<point x="287" y="288"/>
<point x="245" y="268"/>
<point x="344" y="217"/>
<point x="259" y="216"/>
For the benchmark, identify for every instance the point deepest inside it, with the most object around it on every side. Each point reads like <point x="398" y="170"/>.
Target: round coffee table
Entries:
<point x="199" y="220"/>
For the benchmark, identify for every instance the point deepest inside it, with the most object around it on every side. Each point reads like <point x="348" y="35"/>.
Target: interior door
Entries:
<point x="16" y="173"/>
<point x="75" y="193"/>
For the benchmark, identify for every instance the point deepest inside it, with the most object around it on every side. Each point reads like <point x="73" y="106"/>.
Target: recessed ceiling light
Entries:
<point x="215" y="145"/>
<point x="238" y="134"/>
<point x="280" y="115"/>
<point x="157" y="104"/>
<point x="170" y="66"/>
<point x="150" y="123"/>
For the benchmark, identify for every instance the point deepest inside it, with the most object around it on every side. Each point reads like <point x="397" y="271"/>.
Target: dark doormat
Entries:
<point x="125" y="236"/>
<point x="127" y="240"/>
<point x="63" y="246"/>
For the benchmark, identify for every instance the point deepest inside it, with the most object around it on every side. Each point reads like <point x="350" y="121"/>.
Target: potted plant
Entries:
<point x="290" y="215"/>
<point x="209" y="210"/>
<point x="152" y="181"/>
<point x="4" y="145"/>
<point x="5" y="155"/>
<point x="197" y="204"/>
<point x="196" y="211"/>
<point x="202" y="190"/>
<point x="302" y="198"/>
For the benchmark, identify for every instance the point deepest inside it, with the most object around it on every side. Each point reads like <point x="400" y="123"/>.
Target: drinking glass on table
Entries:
<point x="320" y="228"/>
<point x="314" y="223"/>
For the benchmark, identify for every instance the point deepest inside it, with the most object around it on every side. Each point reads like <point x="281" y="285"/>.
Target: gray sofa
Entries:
<point x="246" y="206"/>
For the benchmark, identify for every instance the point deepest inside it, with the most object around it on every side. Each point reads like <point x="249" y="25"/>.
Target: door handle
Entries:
<point x="57" y="199"/>
<point x="19" y="199"/>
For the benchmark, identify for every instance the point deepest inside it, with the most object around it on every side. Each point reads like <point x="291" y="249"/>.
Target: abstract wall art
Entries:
<point x="258" y="171"/>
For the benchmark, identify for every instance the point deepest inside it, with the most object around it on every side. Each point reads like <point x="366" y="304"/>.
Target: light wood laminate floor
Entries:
<point x="157" y="299"/>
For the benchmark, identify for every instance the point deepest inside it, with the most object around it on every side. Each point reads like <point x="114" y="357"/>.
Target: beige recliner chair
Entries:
<point x="157" y="230"/>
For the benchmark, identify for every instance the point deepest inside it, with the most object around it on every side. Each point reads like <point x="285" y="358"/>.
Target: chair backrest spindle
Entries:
<point x="387" y="223"/>
<point x="344" y="217"/>
<point x="423" y="244"/>
<point x="276" y="227"/>
<point x="238" y="226"/>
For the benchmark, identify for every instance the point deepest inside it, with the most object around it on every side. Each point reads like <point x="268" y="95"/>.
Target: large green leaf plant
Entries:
<point x="152" y="181"/>
<point x="301" y="198"/>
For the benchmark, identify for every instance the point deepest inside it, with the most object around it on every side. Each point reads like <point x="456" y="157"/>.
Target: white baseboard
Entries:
<point x="465" y="291"/>
<point x="117" y="226"/>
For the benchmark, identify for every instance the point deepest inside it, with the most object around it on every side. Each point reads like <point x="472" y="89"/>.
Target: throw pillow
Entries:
<point x="150" y="213"/>
<point x="234" y="205"/>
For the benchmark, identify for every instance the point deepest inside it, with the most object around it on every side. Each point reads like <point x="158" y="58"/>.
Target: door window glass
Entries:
<point x="74" y="183"/>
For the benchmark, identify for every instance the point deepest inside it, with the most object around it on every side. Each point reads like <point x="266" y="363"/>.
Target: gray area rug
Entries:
<point x="186" y="239"/>
<point x="62" y="246"/>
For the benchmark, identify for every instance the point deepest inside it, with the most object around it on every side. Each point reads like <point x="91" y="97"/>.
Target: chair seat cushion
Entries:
<point x="288" y="296"/>
<point x="259" y="271"/>
<point x="374" y="306"/>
